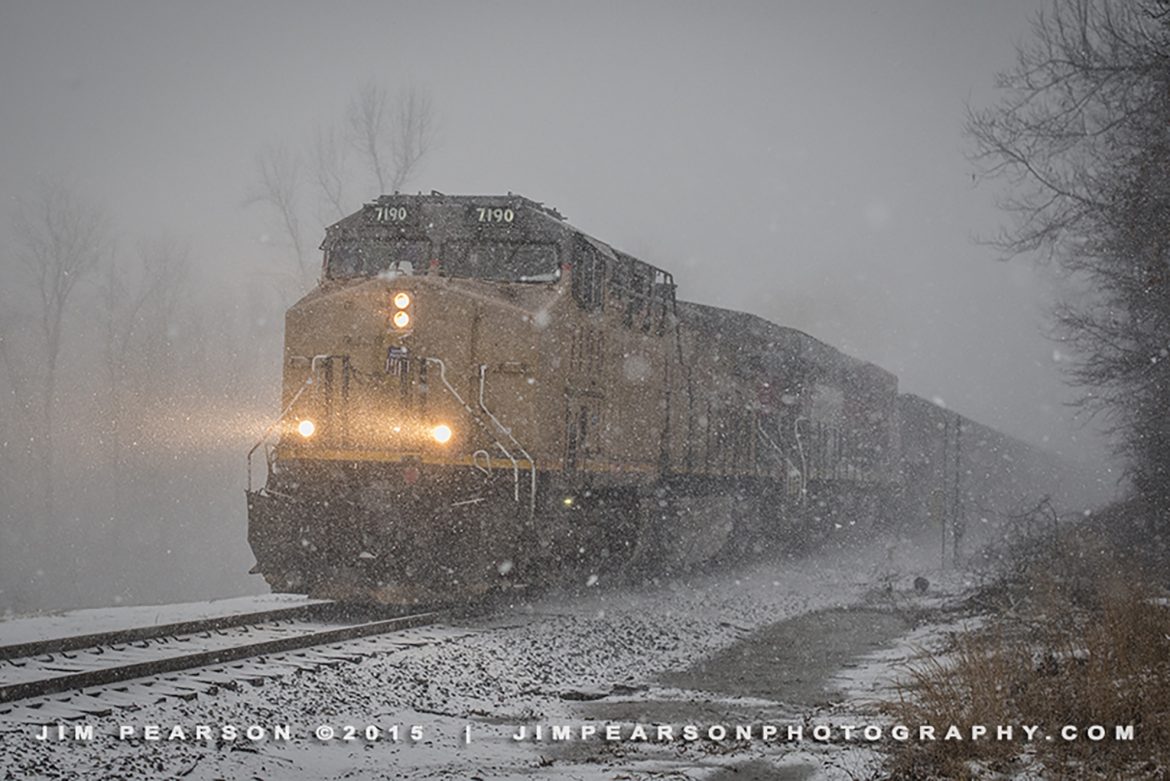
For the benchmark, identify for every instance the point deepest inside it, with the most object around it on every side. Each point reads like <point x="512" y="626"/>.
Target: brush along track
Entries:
<point x="97" y="660"/>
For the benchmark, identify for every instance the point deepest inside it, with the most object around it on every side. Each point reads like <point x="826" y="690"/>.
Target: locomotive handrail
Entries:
<point x="308" y="381"/>
<point x="487" y="470"/>
<point x="467" y="408"/>
<point x="515" y="471"/>
<point x="780" y="453"/>
<point x="508" y="433"/>
<point x="803" y="461"/>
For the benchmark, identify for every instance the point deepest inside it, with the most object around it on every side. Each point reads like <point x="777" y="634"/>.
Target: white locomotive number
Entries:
<point x="496" y="215"/>
<point x="390" y="213"/>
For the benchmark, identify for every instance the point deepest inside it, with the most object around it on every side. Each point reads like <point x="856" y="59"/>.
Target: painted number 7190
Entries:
<point x="495" y="215"/>
<point x="390" y="213"/>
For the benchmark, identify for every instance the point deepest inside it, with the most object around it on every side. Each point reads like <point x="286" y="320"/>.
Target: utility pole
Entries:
<point x="958" y="525"/>
<point x="942" y="503"/>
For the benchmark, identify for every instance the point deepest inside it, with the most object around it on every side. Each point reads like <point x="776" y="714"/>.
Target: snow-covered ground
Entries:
<point x="587" y="658"/>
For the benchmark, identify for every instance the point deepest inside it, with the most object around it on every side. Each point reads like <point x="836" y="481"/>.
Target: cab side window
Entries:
<point x="639" y="302"/>
<point x="589" y="277"/>
<point x="662" y="303"/>
<point x="645" y="294"/>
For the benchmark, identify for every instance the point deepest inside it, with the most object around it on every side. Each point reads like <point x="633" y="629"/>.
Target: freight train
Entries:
<point x="479" y="396"/>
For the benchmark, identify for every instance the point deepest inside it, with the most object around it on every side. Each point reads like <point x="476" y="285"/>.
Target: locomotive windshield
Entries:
<point x="370" y="258"/>
<point x="494" y="261"/>
<point x="501" y="262"/>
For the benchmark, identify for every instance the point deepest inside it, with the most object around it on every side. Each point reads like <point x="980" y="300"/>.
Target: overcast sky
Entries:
<point x="800" y="160"/>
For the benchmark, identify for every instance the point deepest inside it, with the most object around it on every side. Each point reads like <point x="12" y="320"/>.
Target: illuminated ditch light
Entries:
<point x="441" y="433"/>
<point x="306" y="428"/>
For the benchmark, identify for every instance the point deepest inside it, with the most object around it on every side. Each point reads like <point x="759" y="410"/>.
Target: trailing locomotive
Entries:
<point x="479" y="395"/>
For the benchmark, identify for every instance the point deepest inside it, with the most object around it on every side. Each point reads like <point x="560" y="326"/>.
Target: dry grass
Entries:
<point x="1076" y="641"/>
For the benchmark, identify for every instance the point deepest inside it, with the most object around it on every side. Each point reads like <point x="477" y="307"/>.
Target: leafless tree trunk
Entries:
<point x="60" y="240"/>
<point x="137" y="309"/>
<point x="367" y="124"/>
<point x="392" y="135"/>
<point x="329" y="173"/>
<point x="277" y="185"/>
<point x="413" y="134"/>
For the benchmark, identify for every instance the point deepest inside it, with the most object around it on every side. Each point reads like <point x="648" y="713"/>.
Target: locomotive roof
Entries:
<point x="769" y="339"/>
<point x="538" y="218"/>
<point x="766" y="338"/>
<point x="546" y="216"/>
<point x="932" y="413"/>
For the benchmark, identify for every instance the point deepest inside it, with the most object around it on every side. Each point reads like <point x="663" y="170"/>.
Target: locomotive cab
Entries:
<point x="414" y="375"/>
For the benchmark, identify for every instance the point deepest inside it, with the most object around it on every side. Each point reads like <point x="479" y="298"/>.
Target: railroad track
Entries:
<point x="48" y="667"/>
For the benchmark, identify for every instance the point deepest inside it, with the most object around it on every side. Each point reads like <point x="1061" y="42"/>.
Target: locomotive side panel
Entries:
<point x="617" y="367"/>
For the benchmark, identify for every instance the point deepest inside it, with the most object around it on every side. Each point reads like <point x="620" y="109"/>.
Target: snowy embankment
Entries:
<point x="589" y="657"/>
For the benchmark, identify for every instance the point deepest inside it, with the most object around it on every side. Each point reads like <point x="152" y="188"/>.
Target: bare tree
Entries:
<point x="390" y="136"/>
<point x="278" y="185"/>
<point x="329" y="159"/>
<point x="137" y="308"/>
<point x="414" y="133"/>
<point x="1081" y="135"/>
<point x="60" y="240"/>
<point x="368" y="122"/>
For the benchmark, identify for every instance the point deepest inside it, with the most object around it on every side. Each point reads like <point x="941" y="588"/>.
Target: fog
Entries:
<point x="799" y="160"/>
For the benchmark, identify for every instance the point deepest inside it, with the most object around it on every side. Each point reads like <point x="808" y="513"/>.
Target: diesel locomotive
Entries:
<point x="480" y="396"/>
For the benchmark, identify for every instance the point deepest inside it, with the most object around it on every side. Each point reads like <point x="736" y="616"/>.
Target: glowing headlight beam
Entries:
<point x="401" y="300"/>
<point x="306" y="428"/>
<point x="441" y="433"/>
<point x="401" y="319"/>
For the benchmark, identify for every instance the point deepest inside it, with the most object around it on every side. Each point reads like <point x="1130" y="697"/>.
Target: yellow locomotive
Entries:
<point x="479" y="395"/>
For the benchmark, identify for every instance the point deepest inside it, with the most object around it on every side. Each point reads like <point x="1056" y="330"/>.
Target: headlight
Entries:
<point x="401" y="319"/>
<point x="401" y="300"/>
<point x="306" y="428"/>
<point x="441" y="433"/>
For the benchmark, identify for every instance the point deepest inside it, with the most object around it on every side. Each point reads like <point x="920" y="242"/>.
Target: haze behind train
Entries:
<point x="800" y="161"/>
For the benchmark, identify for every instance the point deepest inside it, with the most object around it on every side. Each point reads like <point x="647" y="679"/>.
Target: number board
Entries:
<point x="390" y="214"/>
<point x="491" y="215"/>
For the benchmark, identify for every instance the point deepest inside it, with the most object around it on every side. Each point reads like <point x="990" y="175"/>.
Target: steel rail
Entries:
<point x="116" y="674"/>
<point x="133" y="634"/>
